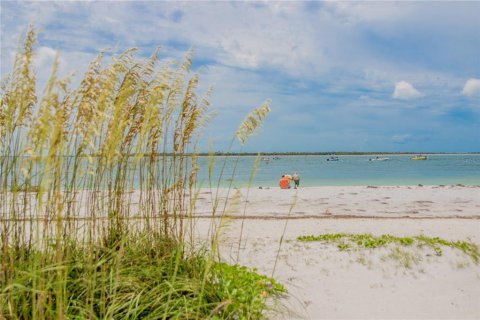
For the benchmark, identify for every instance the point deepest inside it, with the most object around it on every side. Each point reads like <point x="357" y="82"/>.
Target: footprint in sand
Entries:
<point x="461" y="201"/>
<point x="423" y="201"/>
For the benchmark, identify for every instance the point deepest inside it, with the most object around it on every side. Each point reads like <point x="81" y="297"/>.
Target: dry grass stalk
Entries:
<point x="76" y="147"/>
<point x="77" y="163"/>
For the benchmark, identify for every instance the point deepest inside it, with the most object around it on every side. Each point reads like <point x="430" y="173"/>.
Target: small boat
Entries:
<point x="332" y="158"/>
<point x="419" y="157"/>
<point x="379" y="159"/>
<point x="267" y="160"/>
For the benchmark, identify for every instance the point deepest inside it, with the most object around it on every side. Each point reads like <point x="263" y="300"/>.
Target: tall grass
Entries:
<point x="97" y="193"/>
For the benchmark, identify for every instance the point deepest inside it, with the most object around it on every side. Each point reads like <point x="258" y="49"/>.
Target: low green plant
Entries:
<point x="138" y="279"/>
<point x="346" y="241"/>
<point x="245" y="290"/>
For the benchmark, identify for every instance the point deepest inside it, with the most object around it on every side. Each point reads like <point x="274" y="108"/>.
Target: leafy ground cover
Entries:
<point x="346" y="241"/>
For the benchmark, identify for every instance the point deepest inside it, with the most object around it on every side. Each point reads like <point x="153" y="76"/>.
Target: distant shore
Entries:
<point x="268" y="154"/>
<point x="337" y="153"/>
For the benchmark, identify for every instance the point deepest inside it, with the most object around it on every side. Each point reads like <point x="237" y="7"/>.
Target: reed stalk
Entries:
<point x="97" y="186"/>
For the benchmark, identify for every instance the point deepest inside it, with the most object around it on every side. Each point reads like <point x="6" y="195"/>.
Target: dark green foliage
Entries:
<point x="137" y="278"/>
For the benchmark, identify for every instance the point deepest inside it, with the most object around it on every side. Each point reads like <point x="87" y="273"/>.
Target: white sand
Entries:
<point x="325" y="283"/>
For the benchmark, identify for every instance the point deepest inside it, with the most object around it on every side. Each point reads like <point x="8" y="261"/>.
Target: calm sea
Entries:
<point x="347" y="171"/>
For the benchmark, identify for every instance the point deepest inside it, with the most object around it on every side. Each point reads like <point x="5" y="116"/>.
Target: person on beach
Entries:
<point x="296" y="180"/>
<point x="284" y="182"/>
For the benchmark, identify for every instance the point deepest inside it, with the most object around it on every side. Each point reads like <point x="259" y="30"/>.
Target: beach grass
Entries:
<point x="77" y="164"/>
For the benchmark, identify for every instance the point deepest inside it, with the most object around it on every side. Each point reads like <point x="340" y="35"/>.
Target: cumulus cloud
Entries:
<point x="471" y="87"/>
<point x="405" y="91"/>
<point x="295" y="39"/>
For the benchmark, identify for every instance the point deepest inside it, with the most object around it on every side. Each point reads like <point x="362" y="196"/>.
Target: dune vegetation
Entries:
<point x="97" y="196"/>
<point x="346" y="241"/>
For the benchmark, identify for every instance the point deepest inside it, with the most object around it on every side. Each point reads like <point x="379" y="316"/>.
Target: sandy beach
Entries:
<point x="326" y="283"/>
<point x="259" y="229"/>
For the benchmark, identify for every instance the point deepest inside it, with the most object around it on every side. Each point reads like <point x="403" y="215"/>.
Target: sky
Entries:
<point x="342" y="76"/>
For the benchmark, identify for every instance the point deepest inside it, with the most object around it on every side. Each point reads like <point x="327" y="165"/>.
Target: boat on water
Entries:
<point x="419" y="157"/>
<point x="266" y="159"/>
<point x="332" y="158"/>
<point x="379" y="159"/>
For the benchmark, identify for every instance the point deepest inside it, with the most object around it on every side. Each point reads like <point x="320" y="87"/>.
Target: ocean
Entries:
<point x="315" y="170"/>
<point x="349" y="170"/>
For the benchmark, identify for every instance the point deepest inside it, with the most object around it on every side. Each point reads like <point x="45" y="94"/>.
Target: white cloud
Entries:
<point x="44" y="56"/>
<point x="405" y="91"/>
<point x="472" y="87"/>
<point x="295" y="40"/>
<point x="356" y="11"/>
<point x="347" y="54"/>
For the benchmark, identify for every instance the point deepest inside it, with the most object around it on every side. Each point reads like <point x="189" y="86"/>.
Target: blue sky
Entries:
<point x="342" y="76"/>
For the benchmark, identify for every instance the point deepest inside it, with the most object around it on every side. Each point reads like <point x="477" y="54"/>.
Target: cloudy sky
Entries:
<point x="342" y="76"/>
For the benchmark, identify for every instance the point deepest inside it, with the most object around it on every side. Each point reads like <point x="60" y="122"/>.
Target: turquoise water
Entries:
<point x="349" y="170"/>
<point x="317" y="171"/>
